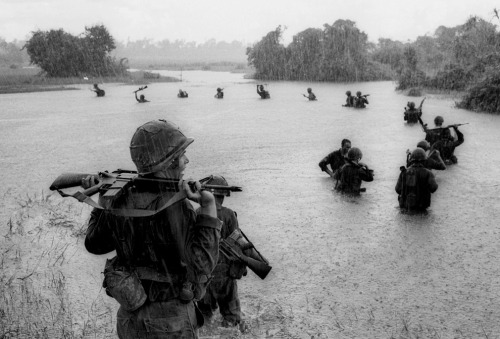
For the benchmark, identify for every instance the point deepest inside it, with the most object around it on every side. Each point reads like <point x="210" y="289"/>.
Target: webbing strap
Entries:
<point x="132" y="212"/>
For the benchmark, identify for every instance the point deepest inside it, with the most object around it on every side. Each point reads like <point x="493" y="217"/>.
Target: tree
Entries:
<point x="61" y="54"/>
<point x="305" y="55"/>
<point x="268" y="56"/>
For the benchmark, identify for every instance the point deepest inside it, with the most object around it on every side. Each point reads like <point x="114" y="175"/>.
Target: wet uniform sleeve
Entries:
<point x="323" y="163"/>
<point x="365" y="175"/>
<point x="431" y="182"/>
<point x="98" y="239"/>
<point x="203" y="244"/>
<point x="399" y="184"/>
<point x="460" y="136"/>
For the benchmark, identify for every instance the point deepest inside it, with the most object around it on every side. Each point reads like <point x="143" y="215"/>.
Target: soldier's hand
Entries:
<point x="204" y="198"/>
<point x="89" y="181"/>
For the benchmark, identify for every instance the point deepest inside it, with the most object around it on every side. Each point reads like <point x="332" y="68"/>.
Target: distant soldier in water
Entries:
<point x="182" y="94"/>
<point x="360" y="101"/>
<point x="100" y="92"/>
<point x="336" y="159"/>
<point x="438" y="132"/>
<point x="350" y="176"/>
<point x="446" y="146"/>
<point x="310" y="95"/>
<point x="219" y="94"/>
<point x="412" y="114"/>
<point x="349" y="101"/>
<point x="142" y="98"/>
<point x="415" y="184"/>
<point x="433" y="158"/>
<point x="263" y="93"/>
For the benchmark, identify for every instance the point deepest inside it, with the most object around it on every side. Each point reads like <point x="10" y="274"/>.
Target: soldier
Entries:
<point x="310" y="95"/>
<point x="412" y="114"/>
<point x="219" y="94"/>
<point x="98" y="91"/>
<point x="433" y="158"/>
<point x="416" y="184"/>
<point x="360" y="101"/>
<point x="141" y="99"/>
<point x="336" y="159"/>
<point x="350" y="175"/>
<point x="263" y="93"/>
<point x="223" y="289"/>
<point x="182" y="94"/>
<point x="164" y="260"/>
<point x="349" y="101"/>
<point x="438" y="132"/>
<point x="446" y="146"/>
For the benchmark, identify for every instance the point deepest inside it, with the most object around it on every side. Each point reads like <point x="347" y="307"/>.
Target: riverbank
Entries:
<point x="26" y="80"/>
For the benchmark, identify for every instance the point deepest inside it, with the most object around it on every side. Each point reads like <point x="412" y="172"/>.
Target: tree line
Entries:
<point x="338" y="52"/>
<point x="462" y="58"/>
<point x="60" y="54"/>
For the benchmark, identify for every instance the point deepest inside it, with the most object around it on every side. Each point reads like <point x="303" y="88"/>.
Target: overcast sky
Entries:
<point x="228" y="20"/>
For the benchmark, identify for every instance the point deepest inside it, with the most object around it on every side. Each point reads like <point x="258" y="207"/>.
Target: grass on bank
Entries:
<point x="30" y="79"/>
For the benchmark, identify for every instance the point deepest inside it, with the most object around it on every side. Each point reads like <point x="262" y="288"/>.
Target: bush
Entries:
<point x="485" y="96"/>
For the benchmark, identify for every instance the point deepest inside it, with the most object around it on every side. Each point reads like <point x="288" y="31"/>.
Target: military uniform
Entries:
<point x="350" y="176"/>
<point x="223" y="289"/>
<point x="446" y="147"/>
<point x="165" y="251"/>
<point x="335" y="159"/>
<point x="415" y="186"/>
<point x="411" y="115"/>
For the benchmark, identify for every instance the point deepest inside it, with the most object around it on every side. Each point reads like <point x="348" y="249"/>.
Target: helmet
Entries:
<point x="354" y="154"/>
<point x="358" y="93"/>
<point x="411" y="104"/>
<point x="156" y="144"/>
<point x="418" y="155"/>
<point x="219" y="89"/>
<point x="438" y="120"/>
<point x="424" y="145"/>
<point x="309" y="89"/>
<point x="218" y="180"/>
<point x="348" y="93"/>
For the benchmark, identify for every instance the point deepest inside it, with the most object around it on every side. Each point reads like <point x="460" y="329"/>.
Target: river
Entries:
<point x="343" y="268"/>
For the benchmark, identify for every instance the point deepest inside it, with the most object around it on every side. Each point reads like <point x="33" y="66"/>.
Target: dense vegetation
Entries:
<point x="464" y="58"/>
<point x="338" y="52"/>
<point x="60" y="54"/>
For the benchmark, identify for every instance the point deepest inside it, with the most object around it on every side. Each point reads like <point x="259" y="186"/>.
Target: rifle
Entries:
<point x="421" y="103"/>
<point x="140" y="89"/>
<point x="449" y="126"/>
<point x="113" y="185"/>
<point x="238" y="247"/>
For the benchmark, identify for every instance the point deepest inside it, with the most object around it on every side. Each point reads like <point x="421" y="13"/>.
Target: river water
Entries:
<point x="342" y="267"/>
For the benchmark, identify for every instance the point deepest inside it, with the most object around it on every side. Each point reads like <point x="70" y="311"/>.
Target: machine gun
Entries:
<point x="449" y="126"/>
<point x="238" y="247"/>
<point x="113" y="185"/>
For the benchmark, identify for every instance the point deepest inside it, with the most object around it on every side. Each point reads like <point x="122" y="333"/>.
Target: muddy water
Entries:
<point x="348" y="268"/>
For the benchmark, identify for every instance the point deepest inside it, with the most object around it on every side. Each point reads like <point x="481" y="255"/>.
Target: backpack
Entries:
<point x="408" y="198"/>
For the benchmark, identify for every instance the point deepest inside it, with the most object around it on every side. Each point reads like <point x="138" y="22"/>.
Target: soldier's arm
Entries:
<point x="98" y="239"/>
<point x="460" y="136"/>
<point x="431" y="182"/>
<point x="399" y="184"/>
<point x="203" y="244"/>
<point x="365" y="174"/>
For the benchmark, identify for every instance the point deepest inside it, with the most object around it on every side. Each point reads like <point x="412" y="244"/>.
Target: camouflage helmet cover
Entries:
<point x="411" y="104"/>
<point x="418" y="155"/>
<point x="156" y="144"/>
<point x="438" y="120"/>
<point x="358" y="93"/>
<point x="309" y="89"/>
<point x="218" y="180"/>
<point x="348" y="93"/>
<point x="424" y="145"/>
<point x="354" y="154"/>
